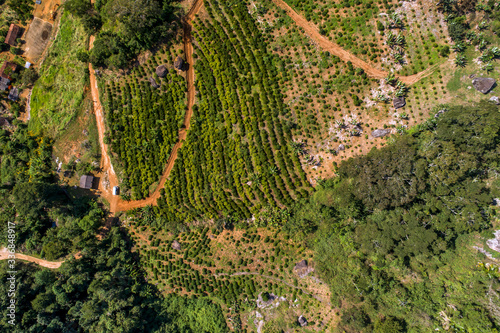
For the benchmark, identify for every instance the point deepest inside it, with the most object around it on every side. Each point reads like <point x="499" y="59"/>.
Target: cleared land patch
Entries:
<point x="37" y="38"/>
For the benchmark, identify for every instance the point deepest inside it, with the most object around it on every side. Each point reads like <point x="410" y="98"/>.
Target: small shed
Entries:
<point x="7" y="69"/>
<point x="4" y="83"/>
<point x="179" y="63"/>
<point x="86" y="181"/>
<point x="28" y="65"/>
<point x="161" y="71"/>
<point x="13" y="94"/>
<point x="38" y="2"/>
<point x="116" y="190"/>
<point x="12" y="34"/>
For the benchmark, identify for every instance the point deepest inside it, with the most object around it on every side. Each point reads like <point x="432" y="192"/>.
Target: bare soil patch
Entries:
<point x="37" y="38"/>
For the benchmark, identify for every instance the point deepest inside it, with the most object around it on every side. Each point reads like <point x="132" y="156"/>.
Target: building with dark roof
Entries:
<point x="12" y="35"/>
<point x="13" y="94"/>
<point x="86" y="181"/>
<point x="4" y="83"/>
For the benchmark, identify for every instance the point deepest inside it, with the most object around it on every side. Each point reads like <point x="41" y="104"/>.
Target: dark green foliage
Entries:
<point x="404" y="212"/>
<point x="444" y="51"/>
<point x="104" y="290"/>
<point x="29" y="77"/>
<point x="144" y="127"/>
<point x="236" y="158"/>
<point x="22" y="8"/>
<point x="34" y="203"/>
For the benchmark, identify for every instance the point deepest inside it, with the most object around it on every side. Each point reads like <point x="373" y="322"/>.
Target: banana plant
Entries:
<point x="400" y="40"/>
<point x="458" y="47"/>
<point x="495" y="50"/>
<point x="340" y="123"/>
<point x="488" y="67"/>
<point x="390" y="79"/>
<point x="461" y="61"/>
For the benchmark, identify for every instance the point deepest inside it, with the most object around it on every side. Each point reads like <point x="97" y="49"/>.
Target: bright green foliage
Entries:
<point x="393" y="227"/>
<point x="237" y="155"/>
<point x="144" y="124"/>
<point x="59" y="92"/>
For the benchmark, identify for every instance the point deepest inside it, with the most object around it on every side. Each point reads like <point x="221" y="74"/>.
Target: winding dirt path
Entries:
<point x="116" y="204"/>
<point x="4" y="255"/>
<point x="335" y="49"/>
<point x="108" y="178"/>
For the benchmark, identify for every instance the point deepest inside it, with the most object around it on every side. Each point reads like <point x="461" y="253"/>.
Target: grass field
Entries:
<point x="58" y="94"/>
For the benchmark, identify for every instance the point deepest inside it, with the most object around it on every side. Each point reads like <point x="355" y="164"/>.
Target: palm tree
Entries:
<point x="461" y="61"/>
<point x="495" y="50"/>
<point x="340" y="123"/>
<point x="297" y="148"/>
<point x="458" y="48"/>
<point x="488" y="67"/>
<point x="390" y="79"/>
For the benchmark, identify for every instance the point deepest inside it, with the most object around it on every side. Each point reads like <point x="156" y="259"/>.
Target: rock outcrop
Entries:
<point x="378" y="133"/>
<point x="483" y="84"/>
<point x="398" y="102"/>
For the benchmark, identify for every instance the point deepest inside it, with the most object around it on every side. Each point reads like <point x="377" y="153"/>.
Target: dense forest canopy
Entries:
<point x="124" y="28"/>
<point x="392" y="228"/>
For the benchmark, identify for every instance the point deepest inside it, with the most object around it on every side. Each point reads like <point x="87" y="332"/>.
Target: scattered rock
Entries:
<point x="440" y="112"/>
<point x="302" y="269"/>
<point x="495" y="100"/>
<point x="494" y="243"/>
<point x="483" y="84"/>
<point x="302" y="321"/>
<point x="179" y="64"/>
<point x="341" y="147"/>
<point x="378" y="133"/>
<point x="399" y="102"/>
<point x="85" y="132"/>
<point x="153" y="83"/>
<point x="176" y="245"/>
<point x="472" y="76"/>
<point x="161" y="71"/>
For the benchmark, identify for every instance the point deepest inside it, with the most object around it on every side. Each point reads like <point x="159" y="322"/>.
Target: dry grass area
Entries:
<point x="247" y="263"/>
<point x="37" y="38"/>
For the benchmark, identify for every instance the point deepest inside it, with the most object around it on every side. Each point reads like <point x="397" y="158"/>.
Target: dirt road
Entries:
<point x="4" y="255"/>
<point x="116" y="204"/>
<point x="107" y="178"/>
<point x="335" y="49"/>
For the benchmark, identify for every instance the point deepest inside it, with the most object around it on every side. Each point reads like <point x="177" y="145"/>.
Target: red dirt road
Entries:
<point x="116" y="203"/>
<point x="4" y="255"/>
<point x="335" y="49"/>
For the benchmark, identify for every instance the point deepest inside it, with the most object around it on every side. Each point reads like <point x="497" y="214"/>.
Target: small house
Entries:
<point x="13" y="94"/>
<point x="4" y="83"/>
<point x="28" y="65"/>
<point x="302" y="321"/>
<point x="86" y="181"/>
<point x="116" y="190"/>
<point x="12" y="35"/>
<point x="179" y="63"/>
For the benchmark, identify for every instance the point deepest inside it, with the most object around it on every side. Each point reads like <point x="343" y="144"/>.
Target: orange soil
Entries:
<point x="4" y="255"/>
<point x="335" y="49"/>
<point x="116" y="204"/>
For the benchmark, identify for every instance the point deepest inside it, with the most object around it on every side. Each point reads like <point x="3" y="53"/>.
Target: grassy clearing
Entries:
<point x="59" y="93"/>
